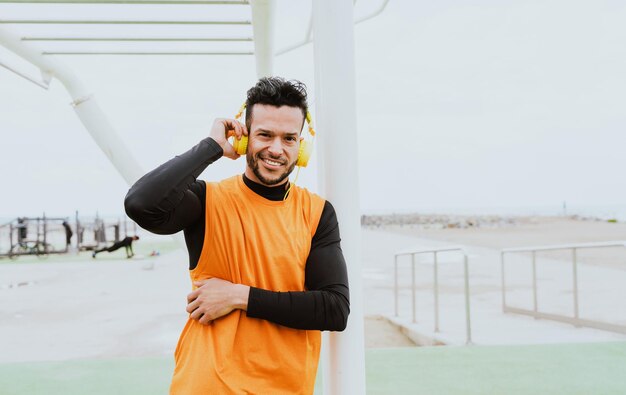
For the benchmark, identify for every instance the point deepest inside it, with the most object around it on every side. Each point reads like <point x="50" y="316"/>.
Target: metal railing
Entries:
<point x="435" y="253"/>
<point x="575" y="319"/>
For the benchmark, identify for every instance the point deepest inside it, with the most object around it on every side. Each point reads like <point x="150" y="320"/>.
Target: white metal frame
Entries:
<point x="435" y="252"/>
<point x="575" y="318"/>
<point x="308" y="38"/>
<point x="43" y="83"/>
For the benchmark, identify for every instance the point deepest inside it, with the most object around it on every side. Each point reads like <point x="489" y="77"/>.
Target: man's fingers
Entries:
<point x="196" y="314"/>
<point x="234" y="127"/>
<point x="205" y="319"/>
<point x="238" y="129"/>
<point x="192" y="306"/>
<point x="192" y="296"/>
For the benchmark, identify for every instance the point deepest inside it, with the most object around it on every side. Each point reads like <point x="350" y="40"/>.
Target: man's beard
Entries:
<point x="253" y="163"/>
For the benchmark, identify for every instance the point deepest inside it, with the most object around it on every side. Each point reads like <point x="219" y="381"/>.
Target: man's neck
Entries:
<point x="276" y="193"/>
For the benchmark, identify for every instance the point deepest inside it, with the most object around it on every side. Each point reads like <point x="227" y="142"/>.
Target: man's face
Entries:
<point x="274" y="139"/>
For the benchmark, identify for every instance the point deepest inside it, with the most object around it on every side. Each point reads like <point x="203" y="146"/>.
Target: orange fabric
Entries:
<point x="253" y="241"/>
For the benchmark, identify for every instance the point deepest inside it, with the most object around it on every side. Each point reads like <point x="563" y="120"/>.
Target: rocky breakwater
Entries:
<point x="436" y="221"/>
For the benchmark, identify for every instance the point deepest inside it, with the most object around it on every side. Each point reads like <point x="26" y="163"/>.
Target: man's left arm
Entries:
<point x="324" y="305"/>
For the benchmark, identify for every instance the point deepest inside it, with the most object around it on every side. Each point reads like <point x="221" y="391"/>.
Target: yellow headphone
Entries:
<point x="304" y="152"/>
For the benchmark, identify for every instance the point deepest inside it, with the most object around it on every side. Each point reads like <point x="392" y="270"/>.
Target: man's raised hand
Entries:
<point x="222" y="129"/>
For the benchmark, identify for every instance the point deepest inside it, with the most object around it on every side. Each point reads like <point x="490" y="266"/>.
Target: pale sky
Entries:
<point x="459" y="104"/>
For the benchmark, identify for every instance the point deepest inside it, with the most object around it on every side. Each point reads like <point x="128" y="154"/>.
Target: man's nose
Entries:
<point x="276" y="147"/>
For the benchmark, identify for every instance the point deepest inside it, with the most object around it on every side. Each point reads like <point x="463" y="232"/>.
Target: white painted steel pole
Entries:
<point x="344" y="359"/>
<point x="413" y="301"/>
<point x="84" y="105"/>
<point x="535" y="281"/>
<point x="503" y="281"/>
<point x="575" y="281"/>
<point x="436" y="291"/>
<point x="467" y="299"/>
<point x="395" y="284"/>
<point x="263" y="30"/>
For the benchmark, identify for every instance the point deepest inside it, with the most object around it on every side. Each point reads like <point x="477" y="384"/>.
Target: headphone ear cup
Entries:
<point x="304" y="153"/>
<point x="241" y="145"/>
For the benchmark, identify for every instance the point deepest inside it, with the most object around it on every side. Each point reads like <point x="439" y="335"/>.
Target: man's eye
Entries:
<point x="291" y="139"/>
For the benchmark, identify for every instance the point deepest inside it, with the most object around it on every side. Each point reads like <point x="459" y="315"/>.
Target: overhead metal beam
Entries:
<point x="43" y="83"/>
<point x="117" y="22"/>
<point x="371" y="15"/>
<point x="308" y="38"/>
<point x="238" y="2"/>
<point x="144" y="53"/>
<point x="139" y="39"/>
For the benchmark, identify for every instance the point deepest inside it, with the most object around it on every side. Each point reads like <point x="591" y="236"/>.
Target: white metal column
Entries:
<point x="343" y="361"/>
<point x="263" y="30"/>
<point x="90" y="114"/>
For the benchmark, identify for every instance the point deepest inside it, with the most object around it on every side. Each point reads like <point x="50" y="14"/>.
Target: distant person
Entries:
<point x="68" y="234"/>
<point x="22" y="231"/>
<point x="127" y="242"/>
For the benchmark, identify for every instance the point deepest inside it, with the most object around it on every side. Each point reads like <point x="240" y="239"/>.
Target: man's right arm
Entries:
<point x="163" y="201"/>
<point x="169" y="199"/>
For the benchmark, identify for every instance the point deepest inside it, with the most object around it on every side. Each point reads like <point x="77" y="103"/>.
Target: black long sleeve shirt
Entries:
<point x="170" y="199"/>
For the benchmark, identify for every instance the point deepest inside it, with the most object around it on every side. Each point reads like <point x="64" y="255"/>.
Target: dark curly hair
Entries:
<point x="276" y="91"/>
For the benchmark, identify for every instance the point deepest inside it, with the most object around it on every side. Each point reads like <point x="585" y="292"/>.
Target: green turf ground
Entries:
<point x="598" y="369"/>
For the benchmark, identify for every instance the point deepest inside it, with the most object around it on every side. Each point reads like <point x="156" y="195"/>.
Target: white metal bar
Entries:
<point x="445" y="249"/>
<point x="569" y="320"/>
<point x="436" y="290"/>
<point x="534" y="280"/>
<point x="141" y="39"/>
<point x="395" y="284"/>
<point x="308" y="38"/>
<point x="413" y="301"/>
<point x="170" y="2"/>
<point x="575" y="282"/>
<point x="335" y="96"/>
<point x="466" y="281"/>
<point x="117" y="22"/>
<point x="374" y="13"/>
<point x="619" y="243"/>
<point x="35" y="81"/>
<point x="502" y="279"/>
<point x="146" y="53"/>
<point x="575" y="320"/>
<point x="263" y="30"/>
<point x="468" y="323"/>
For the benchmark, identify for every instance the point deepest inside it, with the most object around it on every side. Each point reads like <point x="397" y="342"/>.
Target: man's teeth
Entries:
<point x="271" y="162"/>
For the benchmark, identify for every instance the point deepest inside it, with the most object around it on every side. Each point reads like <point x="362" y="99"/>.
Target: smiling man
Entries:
<point x="264" y="256"/>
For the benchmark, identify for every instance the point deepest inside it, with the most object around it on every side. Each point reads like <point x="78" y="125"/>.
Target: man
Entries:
<point x="22" y="231"/>
<point x="68" y="234"/>
<point x="126" y="242"/>
<point x="266" y="266"/>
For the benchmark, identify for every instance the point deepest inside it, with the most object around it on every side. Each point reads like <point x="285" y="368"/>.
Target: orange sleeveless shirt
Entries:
<point x="265" y="244"/>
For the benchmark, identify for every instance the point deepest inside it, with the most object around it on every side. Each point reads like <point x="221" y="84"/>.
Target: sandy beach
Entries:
<point x="75" y="307"/>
